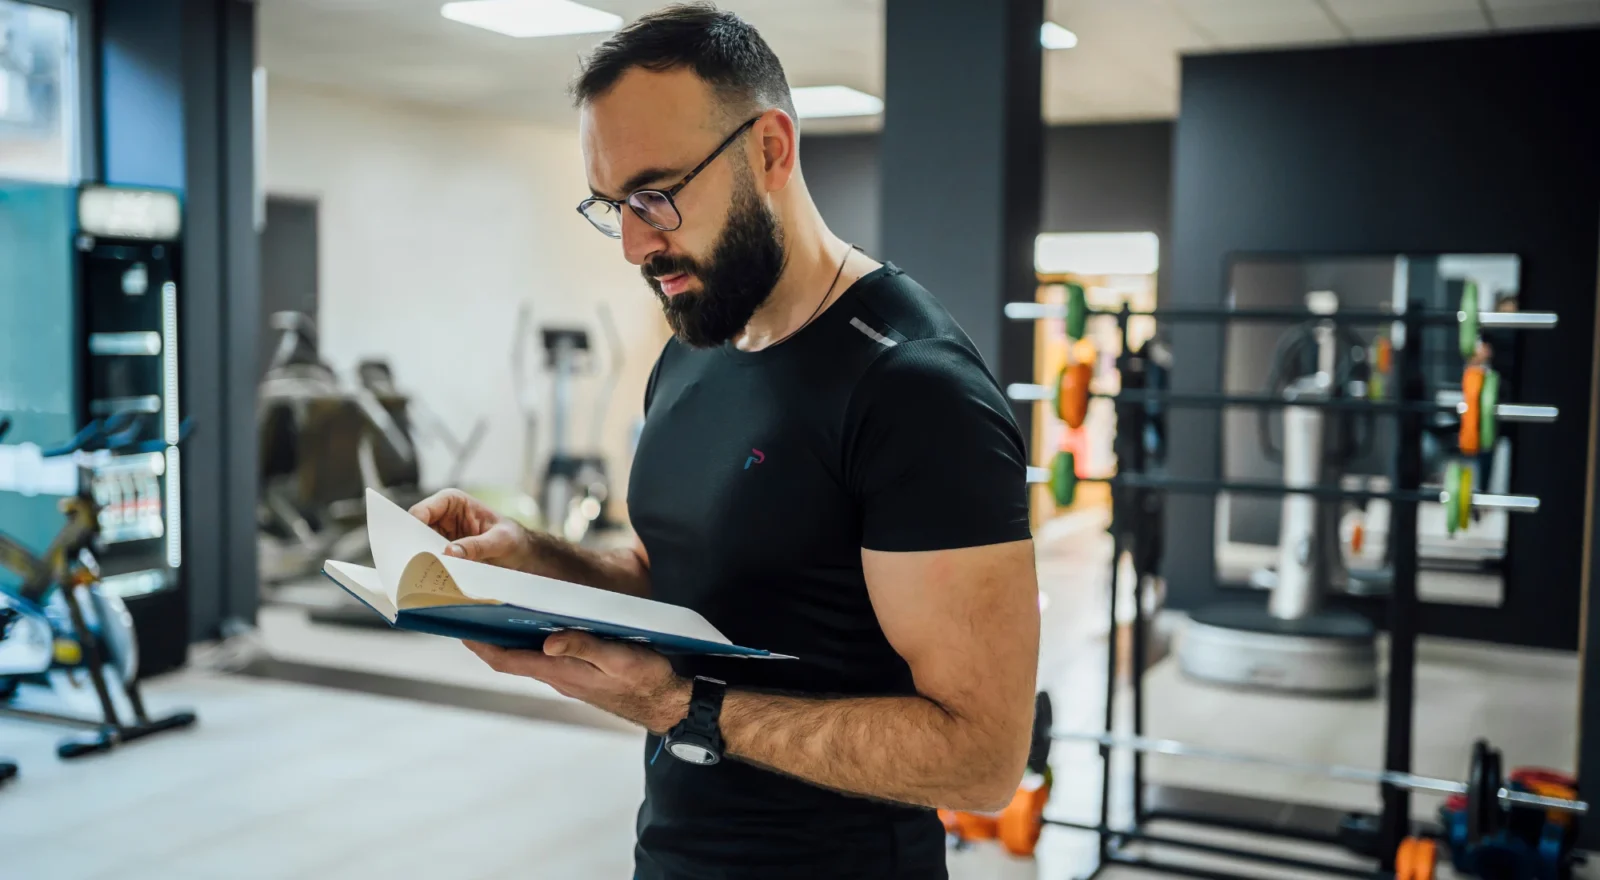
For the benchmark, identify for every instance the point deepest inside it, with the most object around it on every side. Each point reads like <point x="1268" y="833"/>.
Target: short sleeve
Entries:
<point x="655" y="373"/>
<point x="932" y="453"/>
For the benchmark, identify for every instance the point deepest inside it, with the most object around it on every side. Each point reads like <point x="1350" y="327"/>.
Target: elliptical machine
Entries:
<point x="1295" y="644"/>
<point x="574" y="488"/>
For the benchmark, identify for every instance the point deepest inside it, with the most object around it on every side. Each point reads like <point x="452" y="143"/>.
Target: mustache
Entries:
<point x="662" y="266"/>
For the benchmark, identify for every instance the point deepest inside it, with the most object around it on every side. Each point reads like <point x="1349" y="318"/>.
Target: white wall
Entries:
<point x="434" y="227"/>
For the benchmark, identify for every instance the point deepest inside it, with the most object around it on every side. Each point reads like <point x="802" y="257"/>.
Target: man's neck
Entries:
<point x="813" y="256"/>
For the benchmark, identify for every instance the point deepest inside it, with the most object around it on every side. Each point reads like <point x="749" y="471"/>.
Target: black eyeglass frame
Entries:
<point x="668" y="193"/>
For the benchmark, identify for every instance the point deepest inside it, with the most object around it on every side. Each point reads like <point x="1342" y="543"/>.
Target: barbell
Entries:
<point x="1486" y="784"/>
<point x="1076" y="312"/>
<point x="1062" y="477"/>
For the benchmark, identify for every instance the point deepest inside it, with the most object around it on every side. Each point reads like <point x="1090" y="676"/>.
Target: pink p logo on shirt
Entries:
<point x="756" y="458"/>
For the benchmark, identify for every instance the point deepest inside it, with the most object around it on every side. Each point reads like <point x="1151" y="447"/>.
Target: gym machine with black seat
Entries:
<point x="1541" y="844"/>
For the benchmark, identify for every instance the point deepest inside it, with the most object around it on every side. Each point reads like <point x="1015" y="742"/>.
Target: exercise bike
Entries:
<point x="58" y="627"/>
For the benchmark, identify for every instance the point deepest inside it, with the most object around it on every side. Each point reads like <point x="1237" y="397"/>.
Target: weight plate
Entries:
<point x="1488" y="399"/>
<point x="1064" y="478"/>
<point x="1472" y="394"/>
<point x="1451" y="486"/>
<point x="1424" y="857"/>
<point x="1077" y="310"/>
<point x="1483" y="792"/>
<point x="1072" y="395"/>
<point x="1464" y="498"/>
<point x="1043" y="721"/>
<point x="1469" y="319"/>
<point x="1061" y="393"/>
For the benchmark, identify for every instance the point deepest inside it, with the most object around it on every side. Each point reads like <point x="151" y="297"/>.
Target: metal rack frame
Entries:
<point x="1402" y="618"/>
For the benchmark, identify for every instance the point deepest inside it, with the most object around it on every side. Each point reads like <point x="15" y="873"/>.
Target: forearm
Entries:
<point x="619" y="570"/>
<point x="906" y="749"/>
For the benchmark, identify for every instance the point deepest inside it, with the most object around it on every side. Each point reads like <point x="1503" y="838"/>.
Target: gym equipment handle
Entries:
<point x="1518" y="412"/>
<point x="1035" y="311"/>
<point x="1408" y="781"/>
<point x="1512" y="503"/>
<point x="1514" y="320"/>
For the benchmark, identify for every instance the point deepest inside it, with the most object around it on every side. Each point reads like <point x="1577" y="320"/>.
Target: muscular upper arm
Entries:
<point x="939" y="467"/>
<point x="967" y="623"/>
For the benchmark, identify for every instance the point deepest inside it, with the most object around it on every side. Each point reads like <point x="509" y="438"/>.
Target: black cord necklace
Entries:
<point x="849" y="249"/>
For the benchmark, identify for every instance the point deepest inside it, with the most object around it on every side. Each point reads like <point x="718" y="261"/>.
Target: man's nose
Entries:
<point x="640" y="240"/>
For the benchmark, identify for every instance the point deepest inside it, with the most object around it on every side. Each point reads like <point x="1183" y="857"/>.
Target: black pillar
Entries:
<point x="961" y="160"/>
<point x="176" y="112"/>
<point x="1588" y="758"/>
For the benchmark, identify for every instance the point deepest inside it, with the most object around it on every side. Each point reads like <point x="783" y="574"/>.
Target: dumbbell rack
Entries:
<point x="1403" y="606"/>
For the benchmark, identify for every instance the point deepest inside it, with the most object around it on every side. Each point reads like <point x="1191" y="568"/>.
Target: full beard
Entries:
<point x="738" y="278"/>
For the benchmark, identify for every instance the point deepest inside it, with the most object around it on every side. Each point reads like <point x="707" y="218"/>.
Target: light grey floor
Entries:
<point x="287" y="781"/>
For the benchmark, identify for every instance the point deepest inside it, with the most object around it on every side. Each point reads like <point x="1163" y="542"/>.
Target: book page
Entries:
<point x="363" y="583"/>
<point x="396" y="537"/>
<point x="426" y="584"/>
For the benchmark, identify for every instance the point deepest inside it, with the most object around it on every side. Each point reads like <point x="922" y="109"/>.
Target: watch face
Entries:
<point x="693" y="754"/>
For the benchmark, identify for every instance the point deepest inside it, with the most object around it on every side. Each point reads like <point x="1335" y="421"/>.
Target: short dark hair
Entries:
<point x="720" y="47"/>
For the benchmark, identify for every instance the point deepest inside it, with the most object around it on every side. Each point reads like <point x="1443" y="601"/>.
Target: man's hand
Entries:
<point x="481" y="535"/>
<point x="475" y="531"/>
<point x="628" y="681"/>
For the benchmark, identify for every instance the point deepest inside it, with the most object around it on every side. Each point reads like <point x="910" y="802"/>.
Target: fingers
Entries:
<point x="433" y="508"/>
<point x="612" y="658"/>
<point x="565" y="674"/>
<point x="491" y="545"/>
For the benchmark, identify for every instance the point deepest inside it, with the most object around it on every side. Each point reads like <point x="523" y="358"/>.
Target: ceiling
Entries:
<point x="1124" y="67"/>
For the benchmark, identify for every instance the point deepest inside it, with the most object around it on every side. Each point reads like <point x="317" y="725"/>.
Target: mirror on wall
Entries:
<point x="1460" y="566"/>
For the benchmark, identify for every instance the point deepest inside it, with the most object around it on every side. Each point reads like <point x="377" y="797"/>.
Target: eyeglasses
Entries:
<point x="654" y="206"/>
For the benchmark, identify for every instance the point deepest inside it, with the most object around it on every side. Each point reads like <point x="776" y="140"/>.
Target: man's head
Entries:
<point x="656" y="100"/>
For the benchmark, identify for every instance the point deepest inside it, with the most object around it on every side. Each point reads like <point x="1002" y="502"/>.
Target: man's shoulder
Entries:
<point x="896" y="305"/>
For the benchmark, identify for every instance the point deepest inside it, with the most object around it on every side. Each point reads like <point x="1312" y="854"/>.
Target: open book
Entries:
<point x="416" y="587"/>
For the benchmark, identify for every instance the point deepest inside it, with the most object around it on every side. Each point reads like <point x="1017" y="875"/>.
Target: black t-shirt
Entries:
<point x="759" y="478"/>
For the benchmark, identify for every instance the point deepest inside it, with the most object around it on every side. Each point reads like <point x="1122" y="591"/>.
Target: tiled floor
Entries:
<point x="287" y="780"/>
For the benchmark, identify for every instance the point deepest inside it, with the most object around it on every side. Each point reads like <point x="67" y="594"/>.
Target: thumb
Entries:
<point x="479" y="548"/>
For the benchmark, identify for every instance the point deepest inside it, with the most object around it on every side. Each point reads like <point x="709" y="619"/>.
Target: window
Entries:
<point x="39" y="104"/>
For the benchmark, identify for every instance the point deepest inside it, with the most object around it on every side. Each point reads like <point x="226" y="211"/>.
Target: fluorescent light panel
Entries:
<point x="532" y="18"/>
<point x="817" y="102"/>
<point x="1054" y="36"/>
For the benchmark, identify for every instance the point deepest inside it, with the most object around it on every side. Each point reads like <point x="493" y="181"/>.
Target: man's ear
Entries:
<point x="778" y="140"/>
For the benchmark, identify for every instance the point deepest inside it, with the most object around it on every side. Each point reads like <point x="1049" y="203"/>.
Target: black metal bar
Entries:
<point x="1208" y="400"/>
<point x="1252" y="487"/>
<point x="1219" y="850"/>
<point x="1140" y="661"/>
<point x="1231" y="823"/>
<point x="1403" y="606"/>
<point x="1111" y="687"/>
<point x="1351" y="316"/>
<point x="1144" y="864"/>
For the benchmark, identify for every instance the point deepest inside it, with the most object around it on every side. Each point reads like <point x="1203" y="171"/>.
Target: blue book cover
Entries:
<point x="416" y="587"/>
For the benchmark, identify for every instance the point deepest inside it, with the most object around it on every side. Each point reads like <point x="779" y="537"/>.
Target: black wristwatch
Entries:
<point x="697" y="739"/>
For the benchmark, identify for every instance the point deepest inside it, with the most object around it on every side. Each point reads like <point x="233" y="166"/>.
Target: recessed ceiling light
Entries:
<point x="531" y="18"/>
<point x="815" y="102"/>
<point x="1054" y="36"/>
